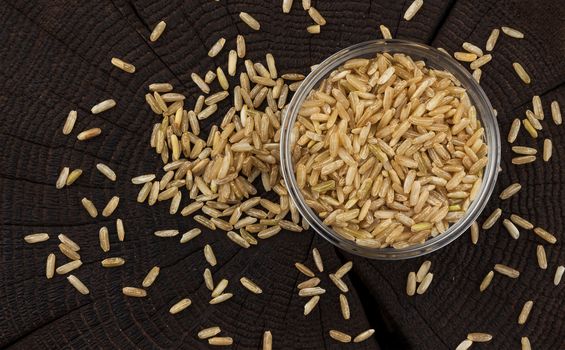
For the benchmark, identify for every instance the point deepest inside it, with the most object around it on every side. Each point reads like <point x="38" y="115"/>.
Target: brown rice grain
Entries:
<point x="151" y="277"/>
<point x="314" y="29"/>
<point x="477" y="337"/>
<point x="286" y="6"/>
<point x="134" y="292"/>
<point x="209" y="255"/>
<point x="70" y="122"/>
<point x="220" y="298"/>
<point x="312" y="282"/>
<point x="556" y="113"/>
<point x="340" y="336"/>
<point x="209" y="332"/>
<point x="526" y="309"/>
<point x="511" y="228"/>
<point x="89" y="206"/>
<point x="68" y="252"/>
<point x="558" y="275"/>
<point x="316" y="16"/>
<point x="492" y="39"/>
<point x="144" y="192"/>
<point x="157" y="31"/>
<point x="423" y="287"/>
<point x="492" y="219"/>
<point x="208" y="280"/>
<point x="308" y="292"/>
<point x="88" y="134"/>
<point x="217" y="47"/>
<point x="111" y="206"/>
<point x="547" y="150"/>
<point x="190" y="234"/>
<point x="521" y="72"/>
<point x="311" y="304"/>
<point x="73" y="176"/>
<point x="486" y="281"/>
<point x="250" y="285"/>
<point x="120" y="230"/>
<point x="542" y="257"/>
<point x="520" y="221"/>
<point x="513" y="33"/>
<point x="364" y="335"/>
<point x="385" y="32"/>
<point x="548" y="237"/>
<point x="106" y="171"/>
<point x="104" y="239"/>
<point x="126" y="67"/>
<point x="166" y="233"/>
<point x="524" y="150"/>
<point x="77" y="283"/>
<point x="68" y="267"/>
<point x="62" y="179"/>
<point x="474" y="232"/>
<point x="69" y="242"/>
<point x="473" y="49"/>
<point x="269" y="232"/>
<point x="306" y="4"/>
<point x="36" y="237"/>
<point x="220" y="287"/>
<point x="113" y="262"/>
<point x="423" y="271"/>
<point x="525" y="343"/>
<point x="161" y="87"/>
<point x="240" y="46"/>
<point x="344" y="306"/>
<point x="514" y="129"/>
<point x="465" y="56"/>
<point x="249" y="20"/>
<point x="464" y="345"/>
<point x="411" y="284"/>
<point x="305" y="270"/>
<point x="413" y="9"/>
<point x="142" y="179"/>
<point x="50" y="266"/>
<point x="318" y="259"/>
<point x="339" y="283"/>
<point x="180" y="306"/>
<point x="267" y="340"/>
<point x="510" y="191"/>
<point x="200" y="83"/>
<point x="507" y="271"/>
<point x="481" y="61"/>
<point x="103" y="106"/>
<point x="220" y="341"/>
<point x="344" y="269"/>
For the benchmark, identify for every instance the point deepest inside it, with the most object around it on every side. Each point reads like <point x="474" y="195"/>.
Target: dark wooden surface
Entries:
<point x="55" y="56"/>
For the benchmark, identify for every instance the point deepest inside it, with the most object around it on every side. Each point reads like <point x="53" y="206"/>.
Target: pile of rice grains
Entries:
<point x="387" y="151"/>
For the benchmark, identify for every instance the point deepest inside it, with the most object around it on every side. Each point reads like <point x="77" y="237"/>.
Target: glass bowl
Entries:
<point x="433" y="58"/>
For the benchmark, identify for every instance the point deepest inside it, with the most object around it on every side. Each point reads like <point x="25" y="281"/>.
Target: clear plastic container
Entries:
<point x="433" y="58"/>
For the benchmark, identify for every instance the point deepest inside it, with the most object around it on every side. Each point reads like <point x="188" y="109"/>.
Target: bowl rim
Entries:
<point x="434" y="58"/>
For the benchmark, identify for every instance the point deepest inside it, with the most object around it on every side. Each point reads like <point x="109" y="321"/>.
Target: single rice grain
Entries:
<point x="104" y="239"/>
<point x="103" y="106"/>
<point x="151" y="277"/>
<point x="68" y="267"/>
<point x="492" y="219"/>
<point x="180" y="306"/>
<point x="340" y="336"/>
<point x="411" y="284"/>
<point x="413" y="9"/>
<point x="311" y="304"/>
<point x="73" y="176"/>
<point x="423" y="287"/>
<point x="521" y="72"/>
<point x="513" y="33"/>
<point x="546" y="236"/>
<point x="134" y="292"/>
<point x="249" y="20"/>
<point x="506" y="271"/>
<point x="70" y="122"/>
<point x="547" y="150"/>
<point x="525" y="313"/>
<point x="111" y="206"/>
<point x="62" y="179"/>
<point x="486" y="281"/>
<point x="89" y="206"/>
<point x="492" y="39"/>
<point x="364" y="335"/>
<point x="50" y="266"/>
<point x="558" y="275"/>
<point x="157" y="31"/>
<point x="36" y="237"/>
<point x="556" y="113"/>
<point x="113" y="262"/>
<point x="542" y="257"/>
<point x="89" y="134"/>
<point x="106" y="171"/>
<point x="209" y="332"/>
<point x="77" y="283"/>
<point x="125" y="66"/>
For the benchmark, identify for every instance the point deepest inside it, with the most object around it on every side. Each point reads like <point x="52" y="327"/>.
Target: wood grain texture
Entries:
<point x="55" y="56"/>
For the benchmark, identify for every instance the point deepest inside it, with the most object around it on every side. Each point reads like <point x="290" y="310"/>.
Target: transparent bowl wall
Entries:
<point x="435" y="59"/>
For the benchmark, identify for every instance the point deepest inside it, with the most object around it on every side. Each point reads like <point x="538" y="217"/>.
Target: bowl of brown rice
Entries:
<point x="390" y="149"/>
